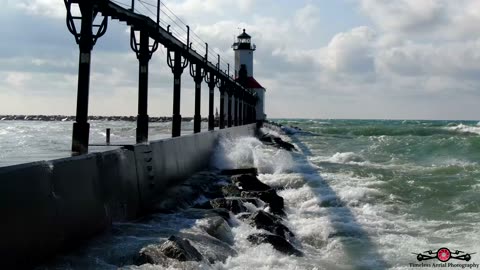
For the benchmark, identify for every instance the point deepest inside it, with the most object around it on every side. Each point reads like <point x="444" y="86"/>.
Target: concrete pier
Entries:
<point x="52" y="205"/>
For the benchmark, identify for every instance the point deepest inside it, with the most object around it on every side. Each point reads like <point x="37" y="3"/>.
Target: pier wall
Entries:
<point x="52" y="205"/>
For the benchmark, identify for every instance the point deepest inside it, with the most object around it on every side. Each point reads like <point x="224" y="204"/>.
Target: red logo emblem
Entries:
<point x="443" y="254"/>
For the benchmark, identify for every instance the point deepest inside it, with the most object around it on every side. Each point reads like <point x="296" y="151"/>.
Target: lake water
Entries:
<point x="359" y="194"/>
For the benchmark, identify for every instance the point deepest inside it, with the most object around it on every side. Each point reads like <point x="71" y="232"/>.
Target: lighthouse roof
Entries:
<point x="244" y="42"/>
<point x="251" y="83"/>
<point x="244" y="35"/>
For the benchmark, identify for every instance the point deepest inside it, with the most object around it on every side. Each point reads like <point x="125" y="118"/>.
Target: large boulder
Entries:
<point x="279" y="243"/>
<point x="272" y="140"/>
<point x="174" y="248"/>
<point x="267" y="139"/>
<point x="231" y="191"/>
<point x="185" y="194"/>
<point x="283" y="144"/>
<point x="151" y="254"/>
<point x="212" y="249"/>
<point x="252" y="171"/>
<point x="248" y="182"/>
<point x="217" y="227"/>
<point x="270" y="196"/>
<point x="269" y="222"/>
<point x="234" y="205"/>
<point x="180" y="249"/>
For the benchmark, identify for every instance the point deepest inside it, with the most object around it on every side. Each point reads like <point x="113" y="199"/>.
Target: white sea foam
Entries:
<point x="344" y="158"/>
<point x="456" y="162"/>
<point x="356" y="194"/>
<point x="249" y="152"/>
<point x="465" y="129"/>
<point x="283" y="180"/>
<point x="392" y="233"/>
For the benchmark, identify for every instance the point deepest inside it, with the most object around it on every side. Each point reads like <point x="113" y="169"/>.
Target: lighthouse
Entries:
<point x="244" y="49"/>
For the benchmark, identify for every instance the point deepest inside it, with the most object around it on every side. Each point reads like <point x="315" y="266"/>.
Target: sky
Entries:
<point x="355" y="59"/>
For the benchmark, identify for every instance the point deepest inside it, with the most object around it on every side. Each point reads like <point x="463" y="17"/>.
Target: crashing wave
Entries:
<point x="465" y="129"/>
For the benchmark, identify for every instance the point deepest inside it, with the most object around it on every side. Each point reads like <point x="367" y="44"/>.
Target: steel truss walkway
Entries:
<point x="179" y="57"/>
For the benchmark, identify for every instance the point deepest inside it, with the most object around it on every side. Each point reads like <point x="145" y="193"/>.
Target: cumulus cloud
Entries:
<point x="49" y="8"/>
<point x="307" y="18"/>
<point x="216" y="7"/>
<point x="16" y="79"/>
<point x="406" y="15"/>
<point x="459" y="60"/>
<point x="352" y="51"/>
<point x="432" y="19"/>
<point x="404" y="59"/>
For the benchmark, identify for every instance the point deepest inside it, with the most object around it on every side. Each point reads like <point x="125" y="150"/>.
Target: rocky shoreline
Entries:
<point x="64" y="118"/>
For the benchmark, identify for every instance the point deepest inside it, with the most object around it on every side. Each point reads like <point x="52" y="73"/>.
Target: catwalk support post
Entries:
<point x="177" y="63"/>
<point x="229" y="93"/>
<point x="198" y="73"/>
<point x="254" y="112"/>
<point x="235" y="108"/>
<point x="211" y="81"/>
<point x="222" y="89"/>
<point x="247" y="112"/>
<point x="229" y="116"/>
<point x="240" y="108"/>
<point x="144" y="53"/>
<point x="250" y="110"/>
<point x="86" y="39"/>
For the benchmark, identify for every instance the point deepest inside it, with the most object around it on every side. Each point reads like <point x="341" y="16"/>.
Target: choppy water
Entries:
<point x="26" y="141"/>
<point x="358" y="194"/>
<point x="405" y="186"/>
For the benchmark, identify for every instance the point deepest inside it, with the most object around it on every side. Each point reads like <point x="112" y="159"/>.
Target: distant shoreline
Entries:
<point x="66" y="118"/>
<point x="161" y="119"/>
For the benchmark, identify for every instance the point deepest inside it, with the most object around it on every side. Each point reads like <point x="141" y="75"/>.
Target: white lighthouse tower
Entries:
<point x="244" y="59"/>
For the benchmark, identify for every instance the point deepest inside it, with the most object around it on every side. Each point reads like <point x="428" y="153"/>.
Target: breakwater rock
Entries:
<point x="200" y="223"/>
<point x="228" y="199"/>
<point x="174" y="248"/>
<point x="236" y="195"/>
<point x="64" y="118"/>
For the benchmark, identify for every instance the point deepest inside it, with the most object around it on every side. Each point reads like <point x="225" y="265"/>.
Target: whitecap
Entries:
<point x="465" y="129"/>
<point x="346" y="157"/>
